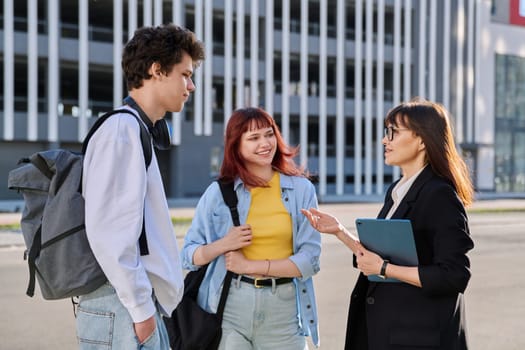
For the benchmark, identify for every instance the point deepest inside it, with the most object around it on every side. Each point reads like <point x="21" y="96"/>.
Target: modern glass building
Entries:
<point x="327" y="70"/>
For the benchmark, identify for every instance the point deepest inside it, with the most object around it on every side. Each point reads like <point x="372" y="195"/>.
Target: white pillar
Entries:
<point x="83" y="67"/>
<point x="432" y="51"/>
<point x="9" y="65"/>
<point x="422" y="48"/>
<point x="132" y="18"/>
<point x="396" y="88"/>
<point x="198" y="95"/>
<point x="117" y="53"/>
<point x="32" y="71"/>
<point x="53" y="77"/>
<point x="470" y="72"/>
<point x="358" y="86"/>
<point x="380" y="94"/>
<point x="228" y="60"/>
<point x="254" y="54"/>
<point x="177" y="15"/>
<point x="407" y="51"/>
<point x="397" y="66"/>
<point x="147" y="14"/>
<point x="460" y="37"/>
<point x="208" y="68"/>
<point x="303" y="123"/>
<point x="322" y="97"/>
<point x="177" y="12"/>
<point x="446" y="53"/>
<point x="268" y="59"/>
<point x="369" y="34"/>
<point x="285" y="71"/>
<point x="239" y="55"/>
<point x="340" y="101"/>
<point x="157" y="17"/>
<point x="477" y="73"/>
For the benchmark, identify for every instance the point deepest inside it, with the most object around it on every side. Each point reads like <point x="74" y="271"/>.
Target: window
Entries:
<point x="510" y="124"/>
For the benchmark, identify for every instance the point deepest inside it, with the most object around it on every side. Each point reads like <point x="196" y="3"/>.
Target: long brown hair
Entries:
<point x="233" y="165"/>
<point x="431" y="122"/>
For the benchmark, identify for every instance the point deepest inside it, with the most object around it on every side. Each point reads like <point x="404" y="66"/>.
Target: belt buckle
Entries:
<point x="256" y="282"/>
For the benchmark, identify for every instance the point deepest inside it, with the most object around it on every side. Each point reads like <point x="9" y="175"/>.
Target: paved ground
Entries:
<point x="494" y="298"/>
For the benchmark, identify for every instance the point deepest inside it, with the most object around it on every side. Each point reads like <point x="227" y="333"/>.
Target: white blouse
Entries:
<point x="400" y="190"/>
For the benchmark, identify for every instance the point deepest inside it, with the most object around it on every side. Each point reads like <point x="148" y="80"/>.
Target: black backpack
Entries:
<point x="52" y="221"/>
<point x="190" y="326"/>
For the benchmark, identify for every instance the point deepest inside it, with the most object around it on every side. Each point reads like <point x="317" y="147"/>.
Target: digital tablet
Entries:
<point x="392" y="239"/>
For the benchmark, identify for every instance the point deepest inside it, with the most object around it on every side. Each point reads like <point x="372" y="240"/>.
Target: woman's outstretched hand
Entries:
<point x="323" y="222"/>
<point x="326" y="223"/>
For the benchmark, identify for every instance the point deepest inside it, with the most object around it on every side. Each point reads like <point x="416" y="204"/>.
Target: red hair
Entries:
<point x="233" y="165"/>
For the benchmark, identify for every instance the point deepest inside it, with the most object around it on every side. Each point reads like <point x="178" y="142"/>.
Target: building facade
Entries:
<point x="327" y="70"/>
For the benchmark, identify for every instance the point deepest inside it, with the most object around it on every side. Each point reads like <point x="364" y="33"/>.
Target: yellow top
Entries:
<point x="271" y="223"/>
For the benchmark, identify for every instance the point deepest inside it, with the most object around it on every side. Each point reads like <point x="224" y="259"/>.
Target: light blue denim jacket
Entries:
<point x="212" y="221"/>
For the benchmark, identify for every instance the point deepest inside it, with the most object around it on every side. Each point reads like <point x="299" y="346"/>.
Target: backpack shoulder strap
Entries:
<point x="230" y="198"/>
<point x="145" y="137"/>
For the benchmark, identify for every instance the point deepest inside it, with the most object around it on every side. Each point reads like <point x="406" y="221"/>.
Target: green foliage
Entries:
<point x="177" y="221"/>
<point x="180" y="220"/>
<point x="10" y="227"/>
<point x="495" y="210"/>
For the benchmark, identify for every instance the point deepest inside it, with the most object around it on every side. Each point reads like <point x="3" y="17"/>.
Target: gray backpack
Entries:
<point x="52" y="221"/>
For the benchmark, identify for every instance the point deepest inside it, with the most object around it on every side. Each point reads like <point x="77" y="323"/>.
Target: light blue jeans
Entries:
<point x="261" y="318"/>
<point x="104" y="323"/>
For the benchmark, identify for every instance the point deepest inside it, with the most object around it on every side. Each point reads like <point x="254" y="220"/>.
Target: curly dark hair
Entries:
<point x="165" y="45"/>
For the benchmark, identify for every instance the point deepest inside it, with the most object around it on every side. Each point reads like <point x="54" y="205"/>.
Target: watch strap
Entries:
<point x="382" y="273"/>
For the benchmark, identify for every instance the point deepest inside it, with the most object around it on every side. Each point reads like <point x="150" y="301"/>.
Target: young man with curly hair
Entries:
<point x="123" y="198"/>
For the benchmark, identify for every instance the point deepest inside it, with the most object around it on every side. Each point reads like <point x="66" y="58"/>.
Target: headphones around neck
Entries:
<point x="160" y="132"/>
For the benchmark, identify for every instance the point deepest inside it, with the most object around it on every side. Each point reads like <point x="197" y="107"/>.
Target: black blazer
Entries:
<point x="401" y="316"/>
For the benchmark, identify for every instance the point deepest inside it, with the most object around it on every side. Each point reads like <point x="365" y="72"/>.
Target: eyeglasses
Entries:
<point x="390" y="130"/>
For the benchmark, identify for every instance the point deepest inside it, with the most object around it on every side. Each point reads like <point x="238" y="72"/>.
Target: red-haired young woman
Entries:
<point x="274" y="253"/>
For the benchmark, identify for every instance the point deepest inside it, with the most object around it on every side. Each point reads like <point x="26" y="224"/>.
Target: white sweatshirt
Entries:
<point x="117" y="191"/>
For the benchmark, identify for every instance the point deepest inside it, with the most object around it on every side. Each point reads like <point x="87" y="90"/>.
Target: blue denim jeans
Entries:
<point x="261" y="318"/>
<point x="104" y="323"/>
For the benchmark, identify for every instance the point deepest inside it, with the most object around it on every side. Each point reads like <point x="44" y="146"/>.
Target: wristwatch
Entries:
<point x="382" y="274"/>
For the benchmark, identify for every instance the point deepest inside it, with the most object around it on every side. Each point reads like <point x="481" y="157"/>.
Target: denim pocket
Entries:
<point x="95" y="329"/>
<point x="286" y="292"/>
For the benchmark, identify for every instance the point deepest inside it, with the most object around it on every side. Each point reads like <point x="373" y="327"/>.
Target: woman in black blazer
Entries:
<point x="425" y="310"/>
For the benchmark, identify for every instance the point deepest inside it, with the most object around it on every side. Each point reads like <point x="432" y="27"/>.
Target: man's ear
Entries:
<point x="155" y="70"/>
